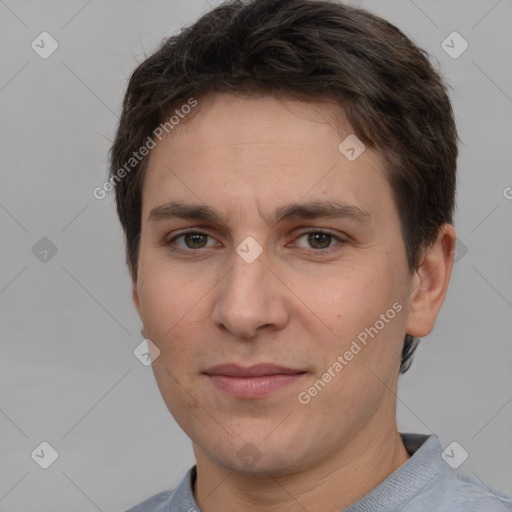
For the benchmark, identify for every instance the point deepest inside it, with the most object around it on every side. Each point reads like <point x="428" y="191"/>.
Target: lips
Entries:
<point x="256" y="381"/>
<point x="258" y="370"/>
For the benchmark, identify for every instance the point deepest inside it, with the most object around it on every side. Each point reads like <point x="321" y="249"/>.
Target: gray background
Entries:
<point x="68" y="375"/>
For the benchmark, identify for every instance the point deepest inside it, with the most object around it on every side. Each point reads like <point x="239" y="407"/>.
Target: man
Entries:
<point x="284" y="174"/>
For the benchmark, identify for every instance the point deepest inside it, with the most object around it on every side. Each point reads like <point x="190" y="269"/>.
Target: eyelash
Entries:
<point x="317" y="252"/>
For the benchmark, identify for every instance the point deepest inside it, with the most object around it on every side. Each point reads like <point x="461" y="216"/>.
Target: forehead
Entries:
<point x="229" y="121"/>
<point x="234" y="149"/>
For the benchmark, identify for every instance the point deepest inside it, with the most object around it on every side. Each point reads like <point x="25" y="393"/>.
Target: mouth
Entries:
<point x="256" y="381"/>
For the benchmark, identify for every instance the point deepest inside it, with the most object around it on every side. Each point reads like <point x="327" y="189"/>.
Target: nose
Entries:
<point x="249" y="298"/>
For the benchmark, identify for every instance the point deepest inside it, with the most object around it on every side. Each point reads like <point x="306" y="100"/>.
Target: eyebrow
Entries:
<point x="308" y="210"/>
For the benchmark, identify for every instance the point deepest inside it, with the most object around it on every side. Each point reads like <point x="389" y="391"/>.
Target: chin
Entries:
<point x="259" y="456"/>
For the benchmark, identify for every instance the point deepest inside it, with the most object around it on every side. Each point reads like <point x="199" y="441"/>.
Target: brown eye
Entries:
<point x="191" y="241"/>
<point x="319" y="240"/>
<point x="195" y="240"/>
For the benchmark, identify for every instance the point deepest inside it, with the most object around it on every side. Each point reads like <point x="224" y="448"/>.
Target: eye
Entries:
<point x="192" y="240"/>
<point x="318" y="240"/>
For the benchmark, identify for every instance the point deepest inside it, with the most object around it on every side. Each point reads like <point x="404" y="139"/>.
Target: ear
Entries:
<point x="430" y="283"/>
<point x="135" y="297"/>
<point x="136" y="302"/>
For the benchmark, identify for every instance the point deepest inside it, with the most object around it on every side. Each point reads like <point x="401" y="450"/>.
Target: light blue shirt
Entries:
<point x="425" y="483"/>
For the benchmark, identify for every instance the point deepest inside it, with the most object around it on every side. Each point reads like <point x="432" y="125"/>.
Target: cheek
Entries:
<point x="174" y="311"/>
<point x="347" y="305"/>
<point x="343" y="299"/>
<point x="168" y="299"/>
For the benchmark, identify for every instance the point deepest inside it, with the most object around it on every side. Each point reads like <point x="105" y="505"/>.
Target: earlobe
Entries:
<point x="136" y="302"/>
<point x="430" y="283"/>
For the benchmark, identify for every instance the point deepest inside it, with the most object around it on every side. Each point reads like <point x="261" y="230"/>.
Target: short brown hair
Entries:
<point x="394" y="100"/>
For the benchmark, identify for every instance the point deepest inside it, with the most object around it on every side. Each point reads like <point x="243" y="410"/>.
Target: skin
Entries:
<point x="300" y="304"/>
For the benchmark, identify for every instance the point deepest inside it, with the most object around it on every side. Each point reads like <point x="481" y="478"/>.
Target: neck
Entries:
<point x="331" y="485"/>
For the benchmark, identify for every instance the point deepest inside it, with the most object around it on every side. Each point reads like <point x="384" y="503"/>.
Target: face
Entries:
<point x="273" y="279"/>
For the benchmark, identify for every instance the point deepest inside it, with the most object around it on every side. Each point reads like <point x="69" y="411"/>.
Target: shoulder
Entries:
<point x="180" y="498"/>
<point x="157" y="503"/>
<point x="453" y="492"/>
<point x="432" y="484"/>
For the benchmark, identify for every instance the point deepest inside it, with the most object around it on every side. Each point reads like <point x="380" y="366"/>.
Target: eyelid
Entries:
<point x="314" y="229"/>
